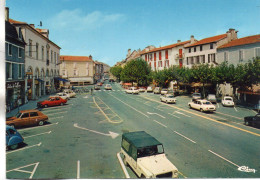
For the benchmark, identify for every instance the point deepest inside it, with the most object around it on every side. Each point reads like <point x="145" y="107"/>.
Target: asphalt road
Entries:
<point x="82" y="138"/>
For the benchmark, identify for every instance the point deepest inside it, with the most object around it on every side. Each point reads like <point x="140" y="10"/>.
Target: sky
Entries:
<point x="106" y="29"/>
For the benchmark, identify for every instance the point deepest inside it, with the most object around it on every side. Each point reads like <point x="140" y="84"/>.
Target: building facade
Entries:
<point x="205" y="50"/>
<point x="78" y="70"/>
<point x="14" y="65"/>
<point x="41" y="60"/>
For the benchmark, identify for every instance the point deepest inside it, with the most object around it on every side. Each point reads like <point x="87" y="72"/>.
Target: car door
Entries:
<point x="34" y="118"/>
<point x="24" y="120"/>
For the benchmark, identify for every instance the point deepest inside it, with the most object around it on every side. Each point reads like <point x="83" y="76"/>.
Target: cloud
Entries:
<point x="77" y="20"/>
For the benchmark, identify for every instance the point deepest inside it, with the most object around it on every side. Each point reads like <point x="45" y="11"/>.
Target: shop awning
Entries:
<point x="40" y="80"/>
<point x="60" y="79"/>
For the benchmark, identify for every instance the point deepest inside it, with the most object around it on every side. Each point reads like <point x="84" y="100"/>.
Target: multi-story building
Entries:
<point x="41" y="60"/>
<point x="204" y="51"/>
<point x="240" y="51"/>
<point x="14" y="61"/>
<point x="78" y="70"/>
<point x="166" y="56"/>
<point x="99" y="71"/>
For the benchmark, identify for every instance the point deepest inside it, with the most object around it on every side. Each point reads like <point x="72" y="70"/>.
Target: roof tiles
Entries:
<point x="75" y="58"/>
<point x="209" y="40"/>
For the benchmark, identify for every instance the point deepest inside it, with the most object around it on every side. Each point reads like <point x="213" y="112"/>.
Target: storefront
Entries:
<point x="15" y="94"/>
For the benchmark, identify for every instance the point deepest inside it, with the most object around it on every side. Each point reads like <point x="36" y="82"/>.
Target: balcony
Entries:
<point x="179" y="56"/>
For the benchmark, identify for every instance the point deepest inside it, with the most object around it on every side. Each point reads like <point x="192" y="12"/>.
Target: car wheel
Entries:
<point x="14" y="146"/>
<point x="190" y="106"/>
<point x="201" y="110"/>
<point x="61" y="104"/>
<point x="40" y="123"/>
<point x="46" y="105"/>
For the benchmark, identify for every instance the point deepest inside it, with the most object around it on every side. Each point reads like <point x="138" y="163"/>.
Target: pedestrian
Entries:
<point x="91" y="91"/>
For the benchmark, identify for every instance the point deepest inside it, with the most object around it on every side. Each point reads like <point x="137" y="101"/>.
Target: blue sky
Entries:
<point x="106" y="29"/>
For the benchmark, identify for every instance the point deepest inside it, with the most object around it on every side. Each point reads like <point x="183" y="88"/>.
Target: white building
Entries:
<point x="204" y="51"/>
<point x="166" y="56"/>
<point x="41" y="60"/>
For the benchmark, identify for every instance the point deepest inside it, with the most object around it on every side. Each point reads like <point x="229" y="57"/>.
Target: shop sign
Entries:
<point x="13" y="85"/>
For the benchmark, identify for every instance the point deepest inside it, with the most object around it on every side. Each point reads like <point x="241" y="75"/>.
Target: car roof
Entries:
<point x="9" y="127"/>
<point x="140" y="139"/>
<point x="30" y="110"/>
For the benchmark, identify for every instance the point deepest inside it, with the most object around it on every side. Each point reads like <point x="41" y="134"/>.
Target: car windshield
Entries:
<point x="228" y="99"/>
<point x="150" y="151"/>
<point x="207" y="102"/>
<point x="196" y="94"/>
<point x="212" y="96"/>
<point x="170" y="96"/>
<point x="18" y="115"/>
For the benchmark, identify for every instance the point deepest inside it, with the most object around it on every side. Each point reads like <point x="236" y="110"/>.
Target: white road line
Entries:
<point x="223" y="158"/>
<point x="130" y="106"/>
<point x="57" y="113"/>
<point x="160" y="123"/>
<point x="156" y="114"/>
<point x="254" y="111"/>
<point x="184" y="137"/>
<point x="122" y="165"/>
<point x="78" y="169"/>
<point x="56" y="117"/>
<point x="19" y="169"/>
<point x="37" y="134"/>
<point x="174" y="115"/>
<point x="24" y="148"/>
<point x="38" y="127"/>
<point x="229" y="115"/>
<point x="181" y="113"/>
<point x="55" y="109"/>
<point x="235" y="108"/>
<point x="218" y="105"/>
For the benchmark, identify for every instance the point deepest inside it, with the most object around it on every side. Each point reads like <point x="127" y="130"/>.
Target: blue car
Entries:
<point x="13" y="138"/>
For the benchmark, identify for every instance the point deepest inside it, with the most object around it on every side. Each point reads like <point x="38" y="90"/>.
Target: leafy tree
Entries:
<point x="116" y="71"/>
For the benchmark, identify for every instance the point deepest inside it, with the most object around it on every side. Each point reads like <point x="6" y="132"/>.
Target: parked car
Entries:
<point x="202" y="105"/>
<point x="53" y="101"/>
<point x="257" y="107"/>
<point x="168" y="98"/>
<point x="164" y="91"/>
<point x="170" y="91"/>
<point x="157" y="90"/>
<point x="196" y="96"/>
<point x="252" y="120"/>
<point x="141" y="89"/>
<point x="96" y="87"/>
<point x="108" y="87"/>
<point x="132" y="90"/>
<point x="62" y="95"/>
<point x="228" y="101"/>
<point x="212" y="98"/>
<point x="145" y="155"/>
<point x="149" y="89"/>
<point x="70" y="92"/>
<point x="27" y="118"/>
<point x="13" y="138"/>
<point x="99" y="83"/>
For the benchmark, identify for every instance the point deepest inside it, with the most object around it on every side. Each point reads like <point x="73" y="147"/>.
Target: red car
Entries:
<point x="52" y="101"/>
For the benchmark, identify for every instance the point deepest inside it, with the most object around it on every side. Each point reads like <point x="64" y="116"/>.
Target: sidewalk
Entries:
<point x="29" y="105"/>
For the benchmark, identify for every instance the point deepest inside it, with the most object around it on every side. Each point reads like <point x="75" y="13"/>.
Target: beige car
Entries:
<point x="69" y="92"/>
<point x="145" y="155"/>
<point x="202" y="105"/>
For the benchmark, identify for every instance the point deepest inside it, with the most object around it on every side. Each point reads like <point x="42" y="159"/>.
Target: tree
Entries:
<point x="116" y="71"/>
<point x="137" y="71"/>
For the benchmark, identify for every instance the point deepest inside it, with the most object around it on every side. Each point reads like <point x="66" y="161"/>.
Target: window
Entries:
<point x="51" y="56"/>
<point x="133" y="152"/>
<point x="159" y="63"/>
<point x="155" y="56"/>
<point x="87" y="72"/>
<point x="197" y="59"/>
<point x="201" y="48"/>
<point x="202" y="58"/>
<point x="191" y="60"/>
<point x="20" y="52"/>
<point x="160" y="55"/>
<point x="166" y="54"/>
<point x="146" y="57"/>
<point x="20" y="71"/>
<point x="211" y="45"/>
<point x="241" y="55"/>
<point x="42" y="52"/>
<point x="8" y="70"/>
<point x="189" y="50"/>
<point x="75" y="72"/>
<point x="167" y="63"/>
<point x="25" y="115"/>
<point x="20" y="33"/>
<point x="37" y="51"/>
<point x="125" y="145"/>
<point x="150" y="57"/>
<point x="32" y="114"/>
<point x="10" y="49"/>
<point x="208" y="58"/>
<point x="187" y="61"/>
<point x="257" y="52"/>
<point x="30" y="47"/>
<point x="195" y="49"/>
<point x="213" y="57"/>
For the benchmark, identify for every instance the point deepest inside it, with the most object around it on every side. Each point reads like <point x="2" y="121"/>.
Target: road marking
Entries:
<point x="182" y="174"/>
<point x="156" y="114"/>
<point x="38" y="127"/>
<point x="56" y="117"/>
<point x="129" y="106"/>
<point x="24" y="148"/>
<point x="111" y="134"/>
<point x="56" y="109"/>
<point x="174" y="115"/>
<point x="37" y="134"/>
<point x="122" y="165"/>
<point x="185" y="137"/>
<point x="100" y="109"/>
<point x="235" y="109"/>
<point x="78" y="169"/>
<point x="224" y="158"/>
<point x="160" y="123"/>
<point x="30" y="172"/>
<point x="229" y="115"/>
<point x="57" y="113"/>
<point x="218" y="105"/>
<point x="86" y="97"/>
<point x="181" y="113"/>
<point x="208" y="118"/>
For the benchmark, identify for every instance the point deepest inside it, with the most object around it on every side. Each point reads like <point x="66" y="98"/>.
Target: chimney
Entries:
<point x="7" y="13"/>
<point x="231" y="34"/>
<point x="192" y="40"/>
<point x="90" y="57"/>
<point x="32" y="25"/>
<point x="178" y="41"/>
